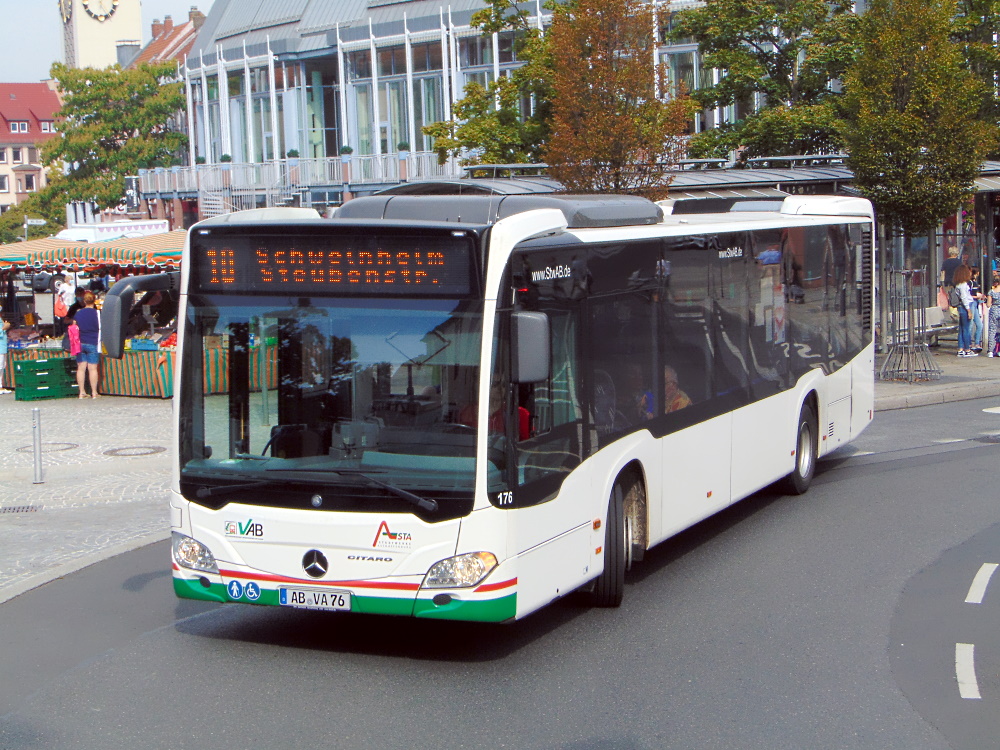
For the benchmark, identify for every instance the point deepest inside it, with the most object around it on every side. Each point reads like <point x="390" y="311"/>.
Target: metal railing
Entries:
<point x="907" y="336"/>
<point x="353" y="171"/>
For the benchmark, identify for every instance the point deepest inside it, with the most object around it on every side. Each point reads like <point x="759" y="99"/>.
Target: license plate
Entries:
<point x="331" y="601"/>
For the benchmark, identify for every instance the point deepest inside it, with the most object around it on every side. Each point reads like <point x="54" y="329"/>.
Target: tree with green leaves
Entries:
<point x="976" y="24"/>
<point x="779" y="56"/>
<point x="113" y="122"/>
<point x="611" y="131"/>
<point x="910" y="111"/>
<point x="508" y="120"/>
<point x="41" y="205"/>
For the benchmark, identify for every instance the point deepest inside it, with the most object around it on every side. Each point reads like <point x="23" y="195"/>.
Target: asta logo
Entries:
<point x="245" y="530"/>
<point x="385" y="539"/>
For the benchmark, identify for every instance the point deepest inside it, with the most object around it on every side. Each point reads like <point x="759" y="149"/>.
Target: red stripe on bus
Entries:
<point x="309" y="582"/>
<point x="496" y="586"/>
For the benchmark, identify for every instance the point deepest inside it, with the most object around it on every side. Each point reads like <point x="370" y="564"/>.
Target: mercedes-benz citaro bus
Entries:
<point x="466" y="407"/>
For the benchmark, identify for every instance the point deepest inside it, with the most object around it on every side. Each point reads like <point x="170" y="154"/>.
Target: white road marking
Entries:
<point x="946" y="441"/>
<point x="965" y="671"/>
<point x="992" y="410"/>
<point x="978" y="588"/>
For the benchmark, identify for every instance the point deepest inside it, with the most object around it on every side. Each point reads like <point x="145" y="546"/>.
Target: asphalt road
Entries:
<point x="831" y="620"/>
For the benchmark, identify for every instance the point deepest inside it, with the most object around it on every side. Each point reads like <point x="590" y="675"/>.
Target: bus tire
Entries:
<point x="806" y="448"/>
<point x="610" y="585"/>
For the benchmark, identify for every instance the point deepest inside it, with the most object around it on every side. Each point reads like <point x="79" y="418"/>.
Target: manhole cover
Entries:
<point x="135" y="450"/>
<point x="49" y="447"/>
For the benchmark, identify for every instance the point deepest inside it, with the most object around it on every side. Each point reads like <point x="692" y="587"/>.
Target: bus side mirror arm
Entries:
<point x="118" y="304"/>
<point x="531" y="348"/>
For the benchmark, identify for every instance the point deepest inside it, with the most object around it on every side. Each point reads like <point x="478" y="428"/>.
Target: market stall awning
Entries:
<point x="11" y="255"/>
<point x="153" y="250"/>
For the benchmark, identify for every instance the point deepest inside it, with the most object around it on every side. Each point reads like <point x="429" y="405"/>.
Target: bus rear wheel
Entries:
<point x="609" y="587"/>
<point x="806" y="448"/>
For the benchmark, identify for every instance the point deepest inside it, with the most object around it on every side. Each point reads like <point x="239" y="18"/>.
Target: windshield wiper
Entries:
<point x="222" y="489"/>
<point x="425" y="503"/>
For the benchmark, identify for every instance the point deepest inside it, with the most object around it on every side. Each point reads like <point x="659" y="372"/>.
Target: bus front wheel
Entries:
<point x="806" y="448"/>
<point x="610" y="585"/>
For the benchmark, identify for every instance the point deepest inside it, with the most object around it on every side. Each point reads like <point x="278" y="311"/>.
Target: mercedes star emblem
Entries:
<point x="314" y="563"/>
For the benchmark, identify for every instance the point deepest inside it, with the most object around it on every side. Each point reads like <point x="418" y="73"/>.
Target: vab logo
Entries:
<point x="245" y="530"/>
<point x="385" y="539"/>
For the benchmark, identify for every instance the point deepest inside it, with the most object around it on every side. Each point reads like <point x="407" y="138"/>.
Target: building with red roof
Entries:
<point x="27" y="119"/>
<point x="170" y="42"/>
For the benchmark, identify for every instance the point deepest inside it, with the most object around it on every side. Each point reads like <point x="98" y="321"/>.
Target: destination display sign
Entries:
<point x="333" y="264"/>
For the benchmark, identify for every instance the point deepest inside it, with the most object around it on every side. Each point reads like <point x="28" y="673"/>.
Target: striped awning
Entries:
<point x="153" y="250"/>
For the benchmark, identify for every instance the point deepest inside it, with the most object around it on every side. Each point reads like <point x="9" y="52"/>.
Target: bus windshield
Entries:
<point x="371" y="398"/>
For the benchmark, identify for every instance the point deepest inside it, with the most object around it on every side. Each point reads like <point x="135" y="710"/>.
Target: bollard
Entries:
<point x="36" y="433"/>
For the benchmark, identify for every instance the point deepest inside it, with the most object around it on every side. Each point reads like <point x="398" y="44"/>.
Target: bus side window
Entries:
<point x="555" y="413"/>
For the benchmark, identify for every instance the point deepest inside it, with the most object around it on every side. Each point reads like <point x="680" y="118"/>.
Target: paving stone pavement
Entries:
<point x="106" y="479"/>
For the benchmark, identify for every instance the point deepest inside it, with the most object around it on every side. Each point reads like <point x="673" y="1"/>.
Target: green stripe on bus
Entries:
<point x="490" y="610"/>
<point x="186" y="588"/>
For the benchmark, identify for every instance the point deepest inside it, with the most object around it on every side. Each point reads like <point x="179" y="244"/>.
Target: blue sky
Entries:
<point x="31" y="33"/>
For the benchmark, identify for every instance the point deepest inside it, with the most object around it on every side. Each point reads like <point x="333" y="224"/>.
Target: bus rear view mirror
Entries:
<point x="118" y="304"/>
<point x="532" y="360"/>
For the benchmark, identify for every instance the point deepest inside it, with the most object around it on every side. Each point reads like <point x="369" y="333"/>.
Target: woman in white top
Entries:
<point x="962" y="276"/>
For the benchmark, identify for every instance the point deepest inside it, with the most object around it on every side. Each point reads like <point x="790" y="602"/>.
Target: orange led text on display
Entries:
<point x="353" y="264"/>
<point x="350" y="266"/>
<point x="222" y="265"/>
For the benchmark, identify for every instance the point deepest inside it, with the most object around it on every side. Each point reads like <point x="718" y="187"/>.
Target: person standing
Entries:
<point x="89" y="322"/>
<point x="948" y="268"/>
<point x="975" y="289"/>
<point x="962" y="276"/>
<point x="4" y="326"/>
<point x="993" y="300"/>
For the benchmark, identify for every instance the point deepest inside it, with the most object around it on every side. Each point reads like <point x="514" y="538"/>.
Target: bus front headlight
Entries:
<point x="190" y="553"/>
<point x="460" y="571"/>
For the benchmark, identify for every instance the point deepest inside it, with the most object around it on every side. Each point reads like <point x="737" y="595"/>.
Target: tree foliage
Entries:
<point x="113" y="122"/>
<point x="507" y="121"/>
<point x="910" y="108"/>
<point x="610" y="130"/>
<point x="976" y="24"/>
<point x="781" y="54"/>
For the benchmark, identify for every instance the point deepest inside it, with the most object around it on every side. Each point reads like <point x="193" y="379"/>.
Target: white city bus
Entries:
<point x="467" y="407"/>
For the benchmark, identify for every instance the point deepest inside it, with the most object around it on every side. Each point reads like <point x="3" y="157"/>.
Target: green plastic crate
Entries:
<point x="42" y="391"/>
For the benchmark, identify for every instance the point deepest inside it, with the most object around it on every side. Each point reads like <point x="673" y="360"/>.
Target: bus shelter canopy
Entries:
<point x="154" y="250"/>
